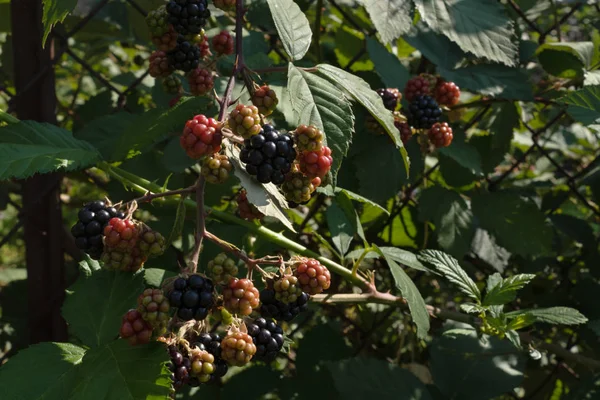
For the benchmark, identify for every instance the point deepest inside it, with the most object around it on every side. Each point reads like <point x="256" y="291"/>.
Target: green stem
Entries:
<point x="9" y="119"/>
<point x="360" y="259"/>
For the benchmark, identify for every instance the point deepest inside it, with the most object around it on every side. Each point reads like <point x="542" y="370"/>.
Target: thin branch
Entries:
<point x="152" y="196"/>
<point x="200" y="224"/>
<point x="518" y="10"/>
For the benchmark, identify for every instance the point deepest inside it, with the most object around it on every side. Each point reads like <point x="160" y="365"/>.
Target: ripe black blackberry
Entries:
<point x="180" y="367"/>
<point x="391" y="98"/>
<point x="185" y="56"/>
<point x="188" y="16"/>
<point x="192" y="296"/>
<point x="423" y="112"/>
<point x="273" y="308"/>
<point x="268" y="155"/>
<point x="92" y="219"/>
<point x="267" y="337"/>
<point x="211" y="342"/>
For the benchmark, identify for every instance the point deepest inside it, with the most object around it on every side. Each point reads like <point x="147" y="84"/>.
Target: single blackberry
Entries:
<point x="154" y="307"/>
<point x="237" y="348"/>
<point x="316" y="163"/>
<point x="244" y="121"/>
<point x="223" y="43"/>
<point x="135" y="329"/>
<point x="157" y="21"/>
<point x="221" y="269"/>
<point x="312" y="276"/>
<point x="185" y="56"/>
<point x="405" y="131"/>
<point x="216" y="168"/>
<point x="203" y="366"/>
<point x="210" y="342"/>
<point x="423" y="112"/>
<point x="117" y="259"/>
<point x="265" y="99"/>
<point x="391" y="98"/>
<point x="159" y="65"/>
<point x="167" y="41"/>
<point x="246" y="210"/>
<point x="298" y="188"/>
<point x="201" y="81"/>
<point x="273" y="308"/>
<point x="172" y="84"/>
<point x="88" y="231"/>
<point x="188" y="16"/>
<point x="308" y="138"/>
<point x="440" y="134"/>
<point x="287" y="289"/>
<point x="193" y="297"/>
<point x="180" y="366"/>
<point x="447" y="93"/>
<point x="240" y="296"/>
<point x="268" y="155"/>
<point x="417" y="86"/>
<point x="201" y="136"/>
<point x="267" y="337"/>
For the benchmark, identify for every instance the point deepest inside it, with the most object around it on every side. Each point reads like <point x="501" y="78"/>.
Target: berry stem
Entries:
<point x="151" y="196"/>
<point x="200" y="223"/>
<point x="360" y="259"/>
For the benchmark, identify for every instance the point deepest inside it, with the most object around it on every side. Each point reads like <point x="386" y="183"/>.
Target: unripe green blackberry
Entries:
<point x="172" y="84"/>
<point x="287" y="289"/>
<point x="245" y="121"/>
<point x="129" y="260"/>
<point x="237" y="348"/>
<point x="308" y="138"/>
<point x="265" y="99"/>
<point x="221" y="269"/>
<point x="150" y="242"/>
<point x="216" y="168"/>
<point x="157" y="21"/>
<point x="298" y="188"/>
<point x="203" y="365"/>
<point x="154" y="307"/>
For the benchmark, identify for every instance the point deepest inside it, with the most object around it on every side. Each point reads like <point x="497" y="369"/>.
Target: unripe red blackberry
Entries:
<point x="167" y="41"/>
<point x="316" y="163"/>
<point x="159" y="65"/>
<point x="265" y="99"/>
<point x="245" y="121"/>
<point x="157" y="21"/>
<point x="192" y="296"/>
<point x="188" y="17"/>
<point x="201" y="81"/>
<point x="88" y="231"/>
<point x="128" y="260"/>
<point x="240" y="296"/>
<point x="237" y="348"/>
<point x="440" y="134"/>
<point x="391" y="98"/>
<point x="154" y="307"/>
<point x="121" y="234"/>
<point x="172" y="84"/>
<point x="225" y="5"/>
<point x="308" y="138"/>
<point x="246" y="210"/>
<point x="268" y="338"/>
<point x="203" y="365"/>
<point x="135" y="329"/>
<point x="447" y="93"/>
<point x="423" y="112"/>
<point x="417" y="86"/>
<point x="151" y="243"/>
<point x="273" y="308"/>
<point x="313" y="277"/>
<point x="297" y="188"/>
<point x="432" y="80"/>
<point x="287" y="289"/>
<point x="185" y="56"/>
<point x="201" y="136"/>
<point x="221" y="269"/>
<point x="216" y="168"/>
<point x="223" y="43"/>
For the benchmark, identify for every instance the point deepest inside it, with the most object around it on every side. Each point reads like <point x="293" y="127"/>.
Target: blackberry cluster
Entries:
<point x="188" y="16"/>
<point x="92" y="219"/>
<point x="211" y="342"/>
<point x="268" y="155"/>
<point x="391" y="98"/>
<point x="423" y="112"/>
<point x="192" y="296"/>
<point x="267" y="337"/>
<point x="185" y="56"/>
<point x="273" y="308"/>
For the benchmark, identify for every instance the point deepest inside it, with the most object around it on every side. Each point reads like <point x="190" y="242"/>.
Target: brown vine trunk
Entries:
<point x="36" y="100"/>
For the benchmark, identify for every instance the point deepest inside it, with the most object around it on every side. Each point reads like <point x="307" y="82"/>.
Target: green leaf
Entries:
<point x="362" y="378"/>
<point x="453" y="220"/>
<point x="408" y="289"/>
<point x="493" y="147"/>
<point x="472" y="308"/>
<point x="584" y="104"/>
<point x="95" y="305"/>
<point x="521" y="321"/>
<point x="464" y="154"/>
<point x="464" y="367"/>
<point x="174" y="157"/>
<point x="587" y="389"/>
<point x="517" y="223"/>
<point x="506" y="290"/>
<point x="345" y="203"/>
<point x="514" y="338"/>
<point x="317" y="102"/>
<point x="361" y="92"/>
<point x="105" y="132"/>
<point x="292" y="26"/>
<point x="55" y="11"/>
<point x="591" y="78"/>
<point x="179" y="221"/>
<point x="480" y="27"/>
<point x="342" y="231"/>
<point x="552" y="315"/>
<point x="492" y="80"/>
<point x="9" y="119"/>
<point x="267" y="198"/>
<point x="88" y="265"/>
<point x="565" y="60"/>
<point x="391" y="18"/>
<point x="54" y="364"/>
<point x="118" y="370"/>
<point x="435" y="47"/>
<point x="404" y="257"/>
<point x="387" y="65"/>
<point x="155" y="276"/>
<point x="352" y="196"/>
<point x="448" y="267"/>
<point x="30" y="147"/>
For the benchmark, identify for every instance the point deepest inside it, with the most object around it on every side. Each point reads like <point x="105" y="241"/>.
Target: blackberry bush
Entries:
<point x="192" y="297"/>
<point x="265" y="99"/>
<point x="245" y="121"/>
<point x="240" y="296"/>
<point x="201" y="81"/>
<point x="221" y="269"/>
<point x="268" y="155"/>
<point x="89" y="229"/>
<point x="201" y="136"/>
<point x="423" y="112"/>
<point x="185" y="56"/>
<point x="280" y="311"/>
<point x="188" y="17"/>
<point x="135" y="329"/>
<point x="268" y="338"/>
<point x="216" y="168"/>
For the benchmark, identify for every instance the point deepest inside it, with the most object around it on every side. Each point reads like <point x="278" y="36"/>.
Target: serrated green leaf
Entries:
<point x="464" y="154"/>
<point x="514" y="338"/>
<point x="408" y="289"/>
<point x="516" y="223"/>
<point x="391" y="18"/>
<point x="267" y="198"/>
<point x="480" y="27"/>
<point x="361" y="378"/>
<point x="328" y="191"/>
<point x="505" y="291"/>
<point x="118" y="370"/>
<point x="105" y="133"/>
<point x="452" y="218"/>
<point x="472" y="308"/>
<point x="179" y="221"/>
<point x="448" y="267"/>
<point x="520" y="322"/>
<point x="387" y="65"/>
<point x="317" y="102"/>
<point x="552" y="315"/>
<point x="404" y="257"/>
<point x="55" y="11"/>
<point x="95" y="305"/>
<point x="54" y="364"/>
<point x="361" y="92"/>
<point x="565" y="60"/>
<point x="292" y="26"/>
<point x="436" y="47"/>
<point x="30" y="147"/>
<point x="493" y="80"/>
<point x="584" y="104"/>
